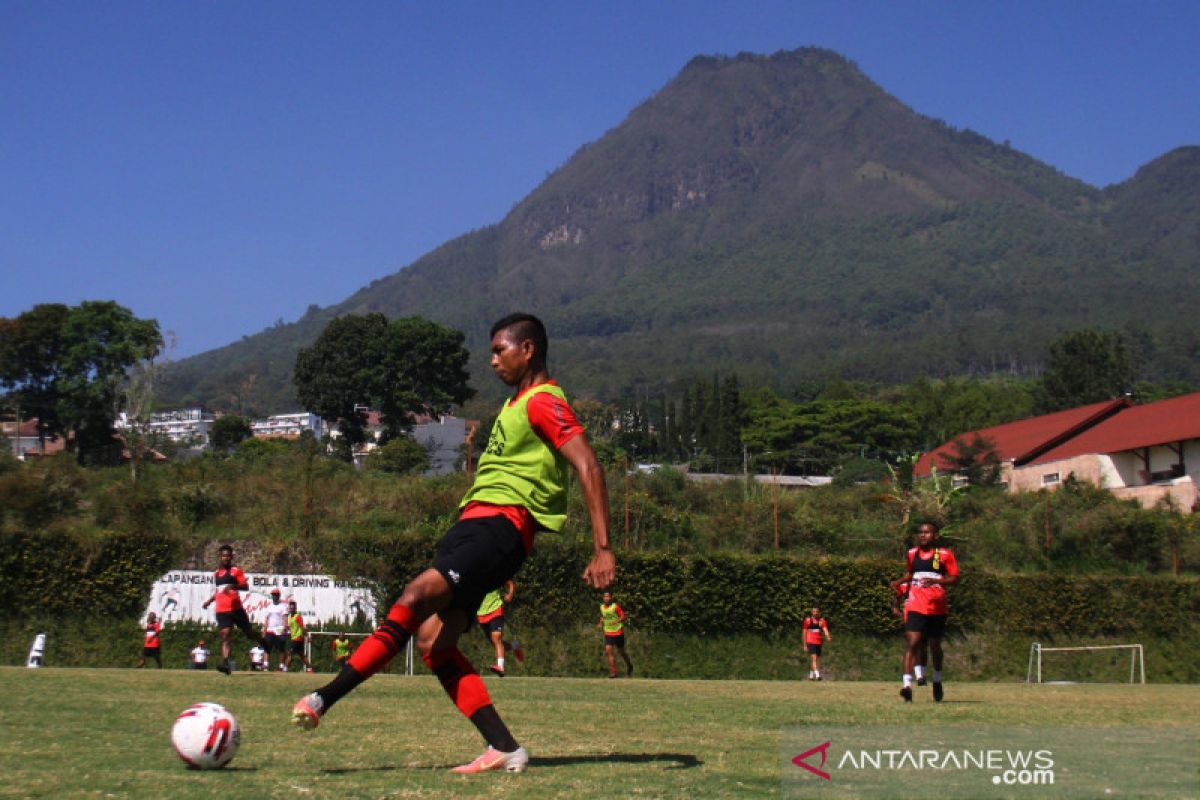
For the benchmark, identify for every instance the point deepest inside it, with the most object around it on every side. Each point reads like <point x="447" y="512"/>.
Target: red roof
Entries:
<point x="1026" y="439"/>
<point x="1173" y="420"/>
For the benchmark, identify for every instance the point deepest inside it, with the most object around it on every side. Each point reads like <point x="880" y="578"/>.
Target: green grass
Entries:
<point x="105" y="733"/>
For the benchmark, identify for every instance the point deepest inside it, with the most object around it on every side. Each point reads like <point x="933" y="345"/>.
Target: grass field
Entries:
<point x="105" y="733"/>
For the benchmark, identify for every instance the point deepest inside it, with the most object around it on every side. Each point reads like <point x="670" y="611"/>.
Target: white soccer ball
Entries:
<point x="206" y="736"/>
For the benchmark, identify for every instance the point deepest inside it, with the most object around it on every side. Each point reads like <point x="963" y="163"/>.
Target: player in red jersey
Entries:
<point x="150" y="646"/>
<point x="520" y="488"/>
<point x="816" y="631"/>
<point x="900" y="609"/>
<point x="230" y="582"/>
<point x="930" y="569"/>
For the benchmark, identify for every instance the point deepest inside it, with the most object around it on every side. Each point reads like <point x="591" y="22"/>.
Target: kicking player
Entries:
<point x="520" y="488"/>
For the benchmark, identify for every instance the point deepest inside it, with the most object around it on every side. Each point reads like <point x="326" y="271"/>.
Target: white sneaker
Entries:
<point x="493" y="759"/>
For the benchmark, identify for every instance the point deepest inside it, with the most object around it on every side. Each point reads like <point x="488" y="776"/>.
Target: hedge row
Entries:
<point x="727" y="593"/>
<point x="59" y="574"/>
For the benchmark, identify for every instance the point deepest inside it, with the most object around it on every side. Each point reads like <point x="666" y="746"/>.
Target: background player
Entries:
<point x="931" y="568"/>
<point x="815" y="627"/>
<point x="612" y="622"/>
<point x="230" y="582"/>
<point x="150" y="645"/>
<point x="275" y="629"/>
<point x="491" y="619"/>
<point x="296" y="631"/>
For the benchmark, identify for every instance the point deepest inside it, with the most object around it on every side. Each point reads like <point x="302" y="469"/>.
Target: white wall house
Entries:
<point x="182" y="425"/>
<point x="288" y="426"/>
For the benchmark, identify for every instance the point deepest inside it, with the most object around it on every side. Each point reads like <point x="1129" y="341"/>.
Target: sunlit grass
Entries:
<point x="104" y="733"/>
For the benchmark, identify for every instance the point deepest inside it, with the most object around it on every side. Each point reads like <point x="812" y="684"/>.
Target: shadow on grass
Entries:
<point x="674" y="761"/>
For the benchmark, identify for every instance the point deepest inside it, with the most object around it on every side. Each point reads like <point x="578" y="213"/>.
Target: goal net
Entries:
<point x="318" y="646"/>
<point x="1107" y="663"/>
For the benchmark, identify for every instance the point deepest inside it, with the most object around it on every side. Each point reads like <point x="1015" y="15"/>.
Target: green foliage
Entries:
<point x="404" y="367"/>
<point x="228" y="431"/>
<point x="401" y="456"/>
<point x="1085" y="366"/>
<point x="66" y="365"/>
<point x="35" y="494"/>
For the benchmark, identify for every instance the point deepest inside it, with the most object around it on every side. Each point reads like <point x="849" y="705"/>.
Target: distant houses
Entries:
<point x="443" y="436"/>
<point x="1145" y="452"/>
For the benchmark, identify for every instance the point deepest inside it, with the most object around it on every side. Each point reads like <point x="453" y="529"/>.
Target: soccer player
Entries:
<point x="815" y="627"/>
<point x="900" y="609"/>
<point x="150" y="646"/>
<point x="612" y="622"/>
<point x="341" y="649"/>
<point x="230" y="582"/>
<point x="490" y="617"/>
<point x="275" y="629"/>
<point x="199" y="655"/>
<point x="931" y="568"/>
<point x="520" y="488"/>
<point x="296" y="631"/>
<point x="258" y="659"/>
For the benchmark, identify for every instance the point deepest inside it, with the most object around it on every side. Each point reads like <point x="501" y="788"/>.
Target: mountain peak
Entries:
<point x="786" y="193"/>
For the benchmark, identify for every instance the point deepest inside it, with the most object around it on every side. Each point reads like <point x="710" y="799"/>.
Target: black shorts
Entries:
<point x="476" y="556"/>
<point x="928" y="624"/>
<point x="297" y="646"/>
<point x="616" y="640"/>
<point x="199" y="665"/>
<point x="493" y="625"/>
<point x="813" y="649"/>
<point x="275" y="643"/>
<point x="151" y="652"/>
<point x="239" y="618"/>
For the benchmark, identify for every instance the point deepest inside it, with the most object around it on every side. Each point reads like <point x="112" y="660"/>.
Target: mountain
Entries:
<point x="784" y="218"/>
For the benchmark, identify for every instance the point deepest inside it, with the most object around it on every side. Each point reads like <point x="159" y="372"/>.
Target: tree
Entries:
<point x="401" y="456"/>
<point x="406" y="367"/>
<point x="67" y="366"/>
<point x="335" y="377"/>
<point x="228" y="431"/>
<point x="134" y="398"/>
<point x="975" y="459"/>
<point x="1085" y="366"/>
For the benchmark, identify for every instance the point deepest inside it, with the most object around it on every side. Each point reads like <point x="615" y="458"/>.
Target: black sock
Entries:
<point x="487" y="721"/>
<point x="342" y="684"/>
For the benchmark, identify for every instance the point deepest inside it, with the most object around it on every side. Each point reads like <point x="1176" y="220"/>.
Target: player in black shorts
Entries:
<point x="520" y="488"/>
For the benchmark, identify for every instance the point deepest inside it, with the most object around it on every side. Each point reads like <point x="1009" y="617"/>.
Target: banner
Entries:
<point x="323" y="601"/>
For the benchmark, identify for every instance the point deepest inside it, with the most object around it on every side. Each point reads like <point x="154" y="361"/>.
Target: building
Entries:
<point x="185" y="426"/>
<point x="22" y="439"/>
<point x="1142" y="452"/>
<point x="288" y="426"/>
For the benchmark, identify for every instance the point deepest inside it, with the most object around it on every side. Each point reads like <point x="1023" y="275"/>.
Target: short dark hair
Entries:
<point x="526" y="327"/>
<point x="225" y="548"/>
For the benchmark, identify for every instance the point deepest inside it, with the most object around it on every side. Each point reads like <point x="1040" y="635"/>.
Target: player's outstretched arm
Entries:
<point x="602" y="569"/>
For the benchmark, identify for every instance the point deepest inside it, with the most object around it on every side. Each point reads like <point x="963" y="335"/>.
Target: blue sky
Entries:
<point x="221" y="165"/>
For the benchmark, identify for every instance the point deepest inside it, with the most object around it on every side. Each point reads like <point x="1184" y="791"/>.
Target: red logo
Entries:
<point x="799" y="760"/>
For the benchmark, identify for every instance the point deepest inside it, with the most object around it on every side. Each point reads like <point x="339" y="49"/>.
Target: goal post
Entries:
<point x="318" y="649"/>
<point x="1137" y="659"/>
